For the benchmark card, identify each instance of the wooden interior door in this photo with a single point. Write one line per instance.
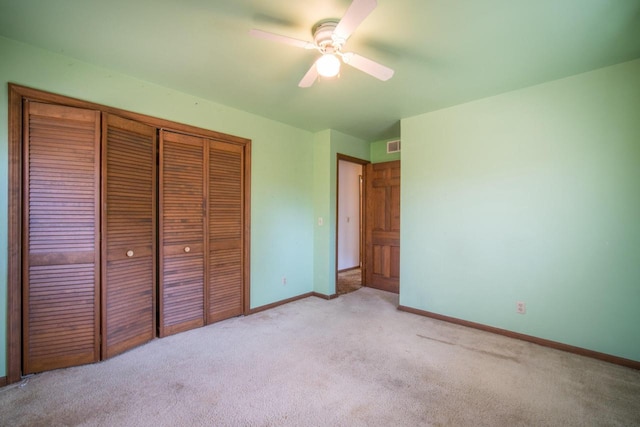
(183, 227)
(61, 249)
(226, 231)
(129, 234)
(382, 229)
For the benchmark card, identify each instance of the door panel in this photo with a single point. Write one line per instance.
(226, 231)
(129, 236)
(382, 229)
(61, 252)
(71, 283)
(182, 232)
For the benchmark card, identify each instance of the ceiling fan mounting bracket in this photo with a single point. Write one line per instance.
(324, 36)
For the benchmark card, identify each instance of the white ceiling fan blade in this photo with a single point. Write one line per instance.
(370, 67)
(282, 39)
(356, 13)
(310, 77)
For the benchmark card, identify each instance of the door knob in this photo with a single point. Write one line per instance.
(129, 253)
(187, 249)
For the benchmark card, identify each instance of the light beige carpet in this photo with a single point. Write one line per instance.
(351, 361)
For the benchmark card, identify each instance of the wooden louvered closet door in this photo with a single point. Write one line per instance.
(226, 222)
(182, 232)
(61, 252)
(129, 234)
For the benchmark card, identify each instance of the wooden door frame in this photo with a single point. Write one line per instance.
(17, 94)
(362, 163)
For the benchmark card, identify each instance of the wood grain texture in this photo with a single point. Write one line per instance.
(53, 98)
(61, 254)
(382, 226)
(183, 229)
(14, 264)
(226, 228)
(246, 234)
(18, 95)
(128, 234)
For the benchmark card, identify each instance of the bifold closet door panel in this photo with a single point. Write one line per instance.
(226, 231)
(129, 234)
(61, 249)
(182, 232)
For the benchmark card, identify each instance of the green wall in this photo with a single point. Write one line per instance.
(533, 196)
(378, 150)
(529, 196)
(282, 203)
(321, 202)
(327, 145)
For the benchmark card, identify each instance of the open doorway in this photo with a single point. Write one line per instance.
(350, 224)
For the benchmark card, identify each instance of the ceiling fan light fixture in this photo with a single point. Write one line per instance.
(329, 38)
(328, 65)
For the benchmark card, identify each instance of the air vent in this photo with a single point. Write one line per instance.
(393, 146)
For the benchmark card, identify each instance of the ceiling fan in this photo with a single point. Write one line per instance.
(329, 37)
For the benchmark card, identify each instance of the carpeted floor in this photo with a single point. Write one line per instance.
(348, 281)
(351, 361)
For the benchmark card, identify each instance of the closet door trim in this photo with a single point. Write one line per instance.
(17, 95)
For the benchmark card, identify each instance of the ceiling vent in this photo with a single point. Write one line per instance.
(393, 146)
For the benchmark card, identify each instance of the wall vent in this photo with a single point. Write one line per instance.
(393, 146)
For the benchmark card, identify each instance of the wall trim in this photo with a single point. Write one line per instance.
(3, 381)
(292, 299)
(279, 303)
(324, 296)
(14, 238)
(529, 338)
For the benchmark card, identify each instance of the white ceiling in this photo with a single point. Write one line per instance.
(444, 52)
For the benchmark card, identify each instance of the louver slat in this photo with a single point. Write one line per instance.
(61, 263)
(182, 232)
(129, 159)
(225, 231)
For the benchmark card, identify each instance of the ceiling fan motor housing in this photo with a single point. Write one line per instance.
(324, 38)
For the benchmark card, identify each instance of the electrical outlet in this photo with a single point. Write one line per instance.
(521, 308)
(320, 221)
(284, 280)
